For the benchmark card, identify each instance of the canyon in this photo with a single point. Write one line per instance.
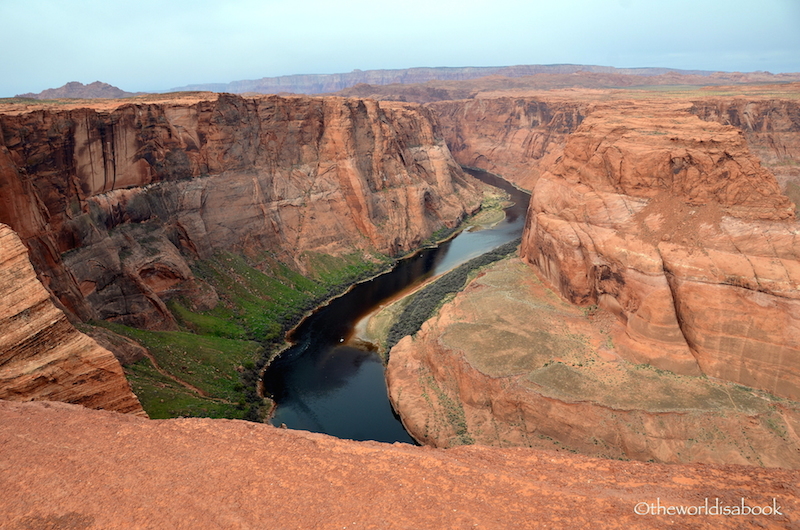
(659, 220)
(119, 205)
(651, 314)
(42, 355)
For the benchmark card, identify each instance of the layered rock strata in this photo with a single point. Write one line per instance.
(115, 204)
(42, 356)
(517, 138)
(771, 128)
(673, 225)
(192, 473)
(509, 363)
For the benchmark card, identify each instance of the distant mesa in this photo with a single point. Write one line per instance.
(76, 90)
(326, 83)
(535, 76)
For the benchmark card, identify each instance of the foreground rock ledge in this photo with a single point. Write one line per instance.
(65, 466)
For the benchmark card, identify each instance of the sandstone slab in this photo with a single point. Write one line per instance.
(69, 467)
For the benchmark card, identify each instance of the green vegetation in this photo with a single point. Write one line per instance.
(162, 397)
(218, 354)
(427, 300)
(208, 366)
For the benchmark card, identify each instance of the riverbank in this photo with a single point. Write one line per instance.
(210, 367)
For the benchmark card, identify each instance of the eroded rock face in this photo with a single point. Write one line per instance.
(672, 224)
(42, 356)
(771, 127)
(112, 204)
(510, 363)
(517, 138)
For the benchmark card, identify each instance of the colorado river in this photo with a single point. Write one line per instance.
(324, 384)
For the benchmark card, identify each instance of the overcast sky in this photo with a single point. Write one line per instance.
(150, 45)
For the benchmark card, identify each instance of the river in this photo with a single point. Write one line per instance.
(325, 384)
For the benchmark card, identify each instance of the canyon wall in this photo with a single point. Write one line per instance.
(517, 138)
(115, 204)
(510, 363)
(42, 356)
(771, 128)
(679, 254)
(672, 224)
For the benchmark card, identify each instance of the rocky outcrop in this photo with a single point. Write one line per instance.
(42, 356)
(771, 128)
(672, 224)
(509, 363)
(113, 204)
(193, 472)
(517, 138)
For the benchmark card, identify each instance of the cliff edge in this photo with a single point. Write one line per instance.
(201, 473)
(42, 356)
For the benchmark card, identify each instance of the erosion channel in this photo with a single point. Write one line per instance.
(327, 382)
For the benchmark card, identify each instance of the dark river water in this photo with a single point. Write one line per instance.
(323, 384)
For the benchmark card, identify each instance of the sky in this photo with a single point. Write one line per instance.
(155, 45)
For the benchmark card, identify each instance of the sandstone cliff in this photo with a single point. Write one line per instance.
(42, 356)
(771, 128)
(672, 224)
(112, 204)
(674, 228)
(510, 363)
(517, 138)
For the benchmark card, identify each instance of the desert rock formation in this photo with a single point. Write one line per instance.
(42, 356)
(112, 204)
(658, 217)
(510, 363)
(671, 223)
(516, 137)
(192, 473)
(77, 90)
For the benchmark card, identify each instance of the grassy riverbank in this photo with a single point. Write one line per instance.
(409, 314)
(210, 366)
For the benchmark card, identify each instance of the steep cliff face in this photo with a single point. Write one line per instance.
(112, 204)
(672, 224)
(517, 138)
(42, 356)
(771, 128)
(509, 363)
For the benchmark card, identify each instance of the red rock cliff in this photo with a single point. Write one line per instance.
(672, 224)
(517, 138)
(42, 356)
(111, 202)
